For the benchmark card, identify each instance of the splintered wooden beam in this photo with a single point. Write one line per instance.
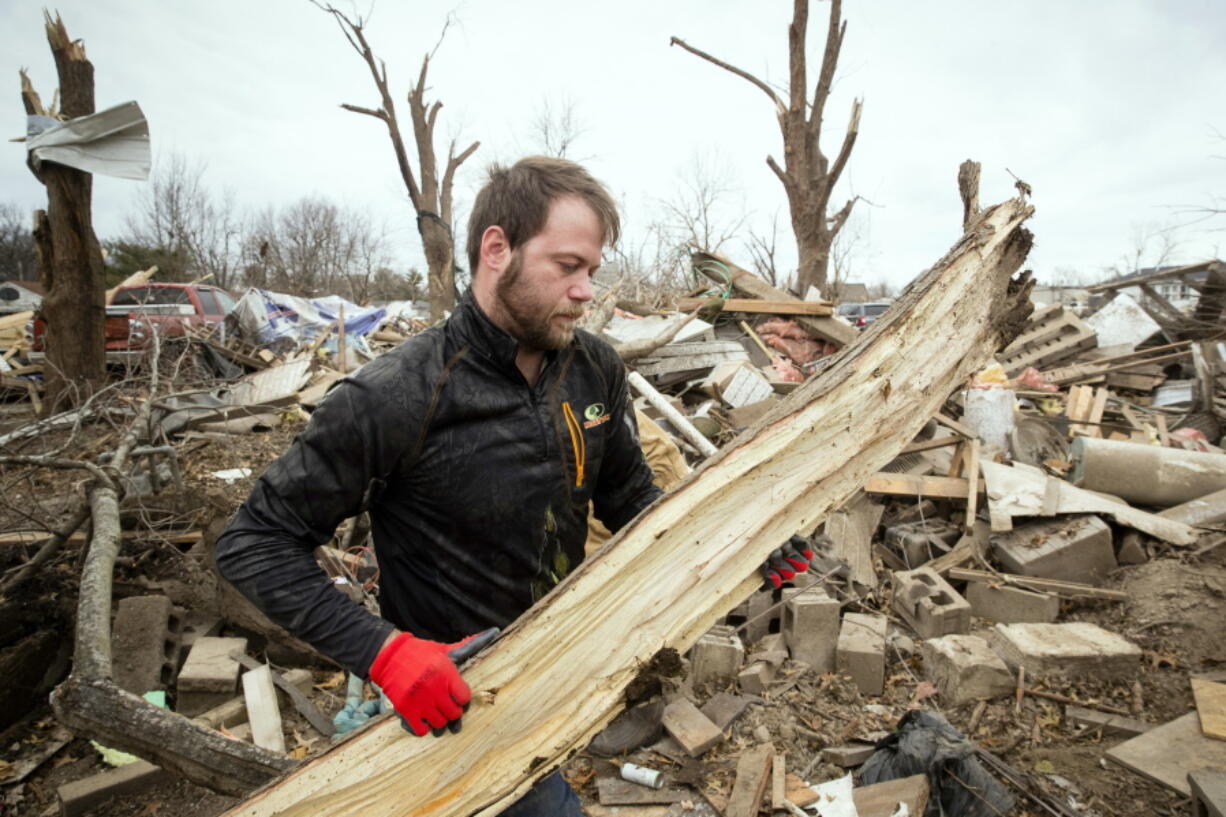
(557, 676)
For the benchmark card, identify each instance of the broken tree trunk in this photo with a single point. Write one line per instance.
(556, 677)
(69, 256)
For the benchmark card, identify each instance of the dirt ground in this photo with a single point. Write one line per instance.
(1174, 612)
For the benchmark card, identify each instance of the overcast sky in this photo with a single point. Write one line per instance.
(1111, 111)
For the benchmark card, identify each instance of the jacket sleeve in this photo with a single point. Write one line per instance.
(351, 444)
(624, 487)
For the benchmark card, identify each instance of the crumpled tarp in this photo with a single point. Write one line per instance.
(113, 142)
(265, 317)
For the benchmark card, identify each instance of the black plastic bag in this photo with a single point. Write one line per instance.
(925, 743)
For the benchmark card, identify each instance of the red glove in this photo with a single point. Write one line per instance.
(784, 563)
(420, 678)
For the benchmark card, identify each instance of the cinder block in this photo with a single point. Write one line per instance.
(1011, 605)
(929, 603)
(1074, 649)
(921, 541)
(145, 644)
(861, 651)
(716, 656)
(811, 628)
(964, 668)
(1074, 549)
(80, 796)
(769, 654)
(209, 676)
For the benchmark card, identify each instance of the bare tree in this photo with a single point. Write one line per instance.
(69, 256)
(763, 248)
(193, 234)
(807, 175)
(315, 247)
(557, 127)
(702, 212)
(431, 198)
(17, 262)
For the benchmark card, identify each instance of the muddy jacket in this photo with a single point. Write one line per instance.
(477, 485)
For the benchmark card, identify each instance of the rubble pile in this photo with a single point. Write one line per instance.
(1032, 589)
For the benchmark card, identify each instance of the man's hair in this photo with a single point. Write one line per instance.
(518, 198)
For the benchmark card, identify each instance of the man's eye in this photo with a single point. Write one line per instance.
(569, 268)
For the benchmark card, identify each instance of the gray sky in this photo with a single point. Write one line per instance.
(1109, 110)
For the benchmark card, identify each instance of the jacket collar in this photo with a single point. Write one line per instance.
(474, 328)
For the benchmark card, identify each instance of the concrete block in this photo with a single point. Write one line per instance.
(1208, 792)
(919, 542)
(769, 654)
(716, 656)
(1074, 549)
(964, 668)
(1205, 510)
(209, 677)
(755, 613)
(1074, 649)
(1011, 605)
(861, 651)
(80, 796)
(811, 628)
(1132, 549)
(929, 603)
(145, 644)
(848, 755)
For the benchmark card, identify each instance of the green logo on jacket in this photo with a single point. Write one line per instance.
(593, 411)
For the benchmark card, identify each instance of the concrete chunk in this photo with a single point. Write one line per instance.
(964, 668)
(209, 677)
(861, 651)
(80, 796)
(145, 648)
(1074, 549)
(1075, 649)
(1011, 605)
(811, 628)
(716, 656)
(929, 603)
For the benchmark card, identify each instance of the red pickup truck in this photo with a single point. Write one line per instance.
(137, 312)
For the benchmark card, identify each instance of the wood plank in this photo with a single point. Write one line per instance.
(630, 599)
(928, 445)
(882, 799)
(689, 727)
(754, 306)
(752, 775)
(851, 528)
(778, 781)
(1166, 753)
(831, 328)
(1211, 706)
(263, 713)
(614, 791)
(972, 486)
(912, 485)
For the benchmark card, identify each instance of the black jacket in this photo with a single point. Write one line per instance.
(477, 485)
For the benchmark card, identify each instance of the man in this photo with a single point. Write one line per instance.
(476, 446)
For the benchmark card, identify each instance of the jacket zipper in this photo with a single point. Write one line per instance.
(576, 441)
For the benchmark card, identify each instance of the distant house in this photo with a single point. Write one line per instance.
(1076, 299)
(20, 296)
(848, 292)
(1179, 291)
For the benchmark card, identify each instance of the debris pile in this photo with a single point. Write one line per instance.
(1030, 587)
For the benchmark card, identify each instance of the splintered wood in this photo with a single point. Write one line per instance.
(557, 676)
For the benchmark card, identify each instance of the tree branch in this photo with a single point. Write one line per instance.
(849, 139)
(766, 89)
(778, 171)
(830, 60)
(379, 114)
(453, 164)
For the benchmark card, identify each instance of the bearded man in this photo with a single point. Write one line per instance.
(477, 447)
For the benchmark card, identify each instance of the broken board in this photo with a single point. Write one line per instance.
(542, 691)
(1166, 753)
(1211, 706)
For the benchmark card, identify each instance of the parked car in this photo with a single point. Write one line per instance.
(137, 312)
(861, 315)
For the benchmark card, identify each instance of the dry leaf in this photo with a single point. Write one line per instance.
(332, 682)
(300, 752)
(152, 807)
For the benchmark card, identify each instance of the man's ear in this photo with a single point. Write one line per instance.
(495, 249)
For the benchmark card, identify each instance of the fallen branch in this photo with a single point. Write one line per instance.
(557, 675)
(635, 349)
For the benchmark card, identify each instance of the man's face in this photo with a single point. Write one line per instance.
(541, 293)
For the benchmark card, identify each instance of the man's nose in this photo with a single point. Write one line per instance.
(581, 290)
